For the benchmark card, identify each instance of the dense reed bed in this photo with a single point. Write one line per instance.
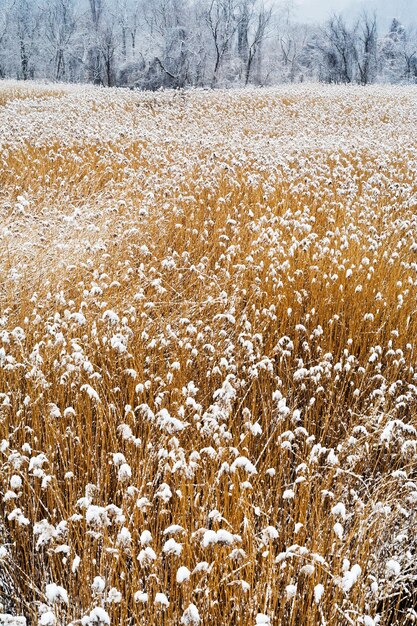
(208, 380)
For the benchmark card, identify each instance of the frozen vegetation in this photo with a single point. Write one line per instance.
(208, 383)
(150, 44)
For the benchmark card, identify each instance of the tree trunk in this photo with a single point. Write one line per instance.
(24, 61)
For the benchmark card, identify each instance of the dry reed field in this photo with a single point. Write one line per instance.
(208, 375)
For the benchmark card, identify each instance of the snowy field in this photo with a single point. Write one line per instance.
(208, 370)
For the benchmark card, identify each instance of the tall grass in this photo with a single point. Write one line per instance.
(212, 332)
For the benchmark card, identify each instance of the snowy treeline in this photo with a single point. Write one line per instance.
(178, 43)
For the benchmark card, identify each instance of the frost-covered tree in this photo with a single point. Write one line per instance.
(252, 30)
(150, 44)
(93, 35)
(292, 44)
(24, 22)
(4, 40)
(60, 29)
(108, 43)
(222, 18)
(365, 49)
(344, 53)
(261, 18)
(398, 54)
(163, 57)
(337, 47)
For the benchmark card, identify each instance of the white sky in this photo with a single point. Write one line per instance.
(318, 10)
